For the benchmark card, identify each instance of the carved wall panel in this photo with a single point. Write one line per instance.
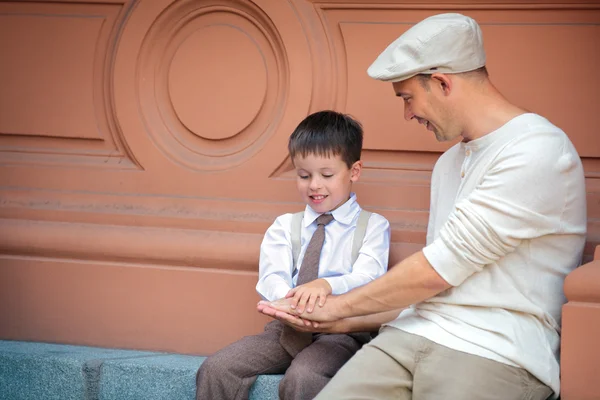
(55, 102)
(143, 147)
(213, 79)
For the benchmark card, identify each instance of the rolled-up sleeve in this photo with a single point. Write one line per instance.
(519, 198)
(275, 265)
(372, 261)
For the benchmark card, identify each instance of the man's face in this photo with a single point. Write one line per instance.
(325, 183)
(428, 104)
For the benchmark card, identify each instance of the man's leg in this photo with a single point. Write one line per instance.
(314, 366)
(229, 373)
(380, 370)
(443, 373)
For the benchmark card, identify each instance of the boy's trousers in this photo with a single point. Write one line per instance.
(229, 373)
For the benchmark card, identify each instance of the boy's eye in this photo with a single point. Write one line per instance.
(327, 176)
(303, 176)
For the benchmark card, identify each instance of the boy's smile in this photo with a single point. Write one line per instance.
(317, 198)
(325, 183)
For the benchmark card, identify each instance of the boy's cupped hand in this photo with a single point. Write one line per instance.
(306, 296)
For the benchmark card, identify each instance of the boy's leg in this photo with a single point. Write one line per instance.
(314, 366)
(229, 373)
(380, 370)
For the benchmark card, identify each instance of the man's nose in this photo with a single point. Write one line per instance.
(408, 114)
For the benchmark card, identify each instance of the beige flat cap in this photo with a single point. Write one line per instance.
(446, 43)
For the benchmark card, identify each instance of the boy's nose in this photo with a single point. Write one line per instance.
(315, 184)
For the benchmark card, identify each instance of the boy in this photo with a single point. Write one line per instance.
(308, 256)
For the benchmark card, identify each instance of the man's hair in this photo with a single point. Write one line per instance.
(328, 134)
(477, 74)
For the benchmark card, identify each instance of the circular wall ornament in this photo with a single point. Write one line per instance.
(210, 95)
(212, 82)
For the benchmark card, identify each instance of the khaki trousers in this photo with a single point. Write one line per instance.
(399, 365)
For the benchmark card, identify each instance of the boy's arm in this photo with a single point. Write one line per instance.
(275, 265)
(372, 261)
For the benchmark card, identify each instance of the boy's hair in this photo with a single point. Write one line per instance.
(328, 133)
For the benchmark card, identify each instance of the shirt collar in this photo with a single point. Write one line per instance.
(491, 137)
(343, 214)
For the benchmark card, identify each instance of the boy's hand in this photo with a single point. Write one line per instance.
(306, 295)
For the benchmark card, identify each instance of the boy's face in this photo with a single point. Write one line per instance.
(325, 183)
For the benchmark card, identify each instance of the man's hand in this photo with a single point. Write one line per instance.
(305, 296)
(328, 313)
(298, 323)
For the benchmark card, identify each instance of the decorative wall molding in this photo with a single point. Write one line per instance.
(382, 167)
(215, 250)
(137, 245)
(55, 106)
(194, 60)
(175, 212)
(105, 227)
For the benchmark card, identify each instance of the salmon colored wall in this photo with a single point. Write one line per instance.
(143, 147)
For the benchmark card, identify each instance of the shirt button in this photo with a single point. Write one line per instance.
(462, 174)
(468, 152)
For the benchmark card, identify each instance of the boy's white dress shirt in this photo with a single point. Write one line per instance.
(335, 265)
(507, 224)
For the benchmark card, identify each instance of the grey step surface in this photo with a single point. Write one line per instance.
(30, 370)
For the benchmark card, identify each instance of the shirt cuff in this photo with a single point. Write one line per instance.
(276, 293)
(279, 292)
(338, 284)
(445, 263)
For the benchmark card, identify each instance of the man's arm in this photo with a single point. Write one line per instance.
(364, 323)
(410, 281)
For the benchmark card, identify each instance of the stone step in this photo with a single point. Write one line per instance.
(31, 370)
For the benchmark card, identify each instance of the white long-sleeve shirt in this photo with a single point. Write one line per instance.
(276, 275)
(507, 224)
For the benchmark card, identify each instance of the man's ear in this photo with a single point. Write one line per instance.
(355, 170)
(442, 81)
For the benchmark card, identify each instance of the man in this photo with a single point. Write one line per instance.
(507, 224)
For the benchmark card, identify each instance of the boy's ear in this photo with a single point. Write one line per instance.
(355, 170)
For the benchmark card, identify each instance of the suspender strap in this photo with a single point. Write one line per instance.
(357, 241)
(359, 233)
